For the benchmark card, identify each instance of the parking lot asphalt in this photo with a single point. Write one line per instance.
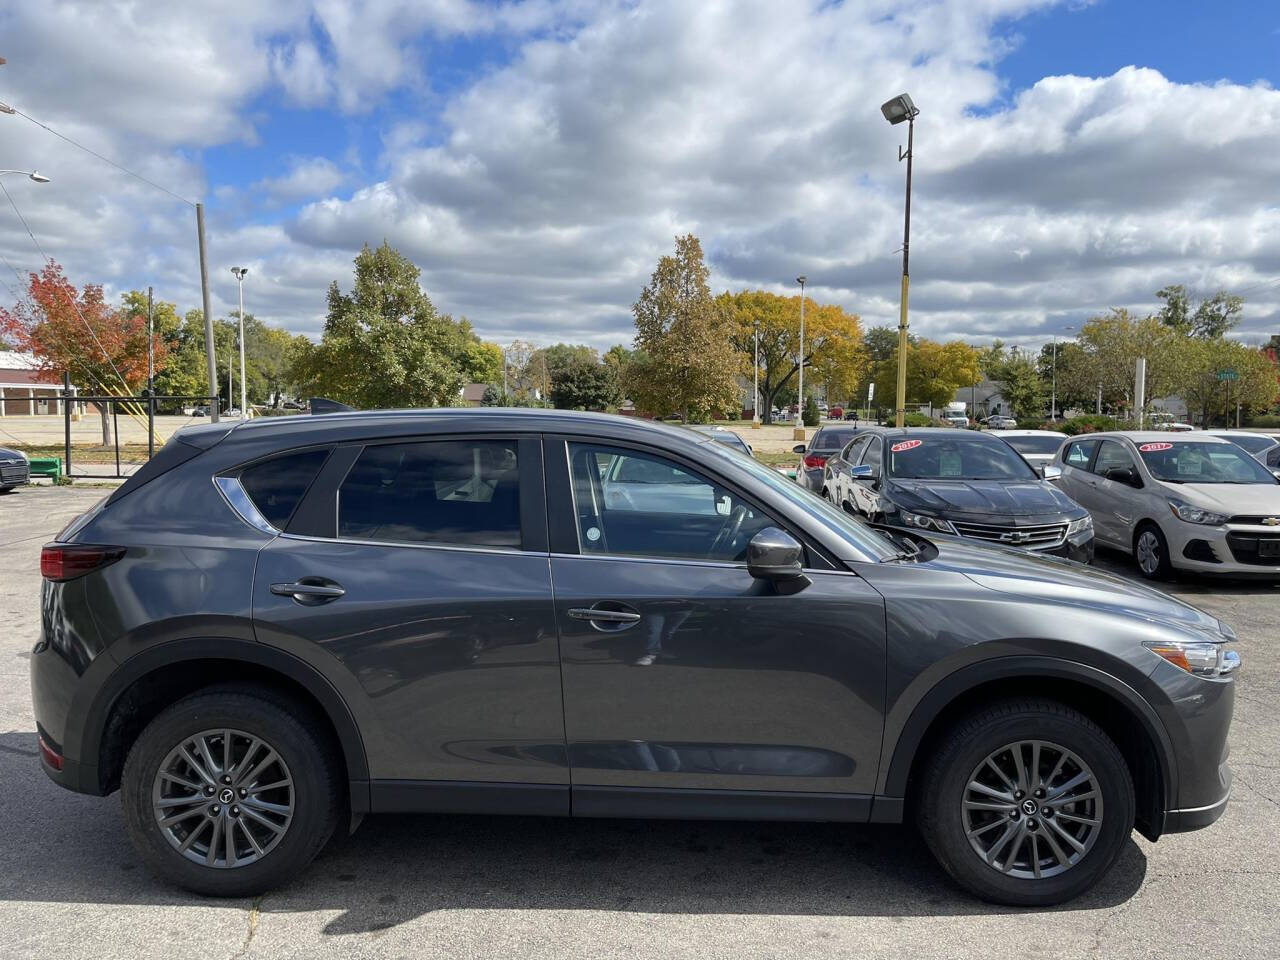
(71, 887)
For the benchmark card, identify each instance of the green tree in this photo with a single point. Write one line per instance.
(935, 371)
(584, 383)
(1214, 317)
(384, 343)
(1111, 345)
(688, 362)
(1021, 386)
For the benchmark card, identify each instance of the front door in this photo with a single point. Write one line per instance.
(681, 671)
(430, 590)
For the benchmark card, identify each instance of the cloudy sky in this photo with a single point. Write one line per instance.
(536, 158)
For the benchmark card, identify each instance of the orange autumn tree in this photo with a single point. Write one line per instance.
(77, 332)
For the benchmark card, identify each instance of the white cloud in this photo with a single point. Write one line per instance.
(538, 200)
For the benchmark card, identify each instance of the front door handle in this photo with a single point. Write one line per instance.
(309, 591)
(603, 616)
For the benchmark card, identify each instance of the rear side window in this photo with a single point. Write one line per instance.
(453, 492)
(1079, 453)
(276, 486)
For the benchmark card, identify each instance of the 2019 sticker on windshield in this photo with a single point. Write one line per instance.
(905, 445)
(1155, 447)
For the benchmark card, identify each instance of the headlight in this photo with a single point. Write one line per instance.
(1193, 514)
(921, 522)
(1201, 658)
(1080, 526)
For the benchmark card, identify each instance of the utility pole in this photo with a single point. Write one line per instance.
(755, 371)
(798, 433)
(208, 318)
(244, 401)
(151, 383)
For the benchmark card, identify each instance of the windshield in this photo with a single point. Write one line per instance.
(1177, 461)
(1036, 443)
(1253, 445)
(955, 458)
(874, 543)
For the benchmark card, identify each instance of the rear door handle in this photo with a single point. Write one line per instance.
(309, 591)
(603, 616)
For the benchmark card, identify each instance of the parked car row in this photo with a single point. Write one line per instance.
(1197, 503)
(15, 469)
(280, 625)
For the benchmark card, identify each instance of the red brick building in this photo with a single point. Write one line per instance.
(24, 390)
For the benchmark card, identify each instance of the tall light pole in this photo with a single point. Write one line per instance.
(244, 403)
(755, 371)
(798, 433)
(1053, 402)
(895, 111)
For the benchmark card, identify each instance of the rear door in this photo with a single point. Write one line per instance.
(418, 568)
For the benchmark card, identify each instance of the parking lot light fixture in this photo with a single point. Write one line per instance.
(33, 175)
(898, 109)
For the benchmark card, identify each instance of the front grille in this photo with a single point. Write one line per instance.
(1041, 536)
(1244, 547)
(14, 473)
(1258, 521)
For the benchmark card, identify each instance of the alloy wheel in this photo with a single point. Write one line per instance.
(1148, 551)
(223, 798)
(1032, 809)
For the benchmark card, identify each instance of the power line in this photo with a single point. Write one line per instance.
(123, 169)
(74, 306)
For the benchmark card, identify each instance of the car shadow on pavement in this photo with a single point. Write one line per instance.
(68, 848)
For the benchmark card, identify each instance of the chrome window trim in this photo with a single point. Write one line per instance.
(686, 562)
(234, 494)
(423, 545)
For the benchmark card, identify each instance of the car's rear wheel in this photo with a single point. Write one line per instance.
(228, 792)
(1026, 803)
(1151, 551)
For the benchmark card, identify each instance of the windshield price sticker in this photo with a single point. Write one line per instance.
(905, 445)
(1154, 447)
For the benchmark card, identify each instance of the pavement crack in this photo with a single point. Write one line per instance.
(255, 913)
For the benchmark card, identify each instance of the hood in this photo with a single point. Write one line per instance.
(7, 453)
(1232, 499)
(1023, 574)
(985, 499)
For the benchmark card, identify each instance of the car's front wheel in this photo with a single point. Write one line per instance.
(1151, 550)
(1026, 802)
(229, 793)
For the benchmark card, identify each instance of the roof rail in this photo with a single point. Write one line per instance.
(325, 405)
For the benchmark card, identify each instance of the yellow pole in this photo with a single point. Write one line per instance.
(902, 355)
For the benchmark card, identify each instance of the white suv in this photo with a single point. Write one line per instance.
(1196, 503)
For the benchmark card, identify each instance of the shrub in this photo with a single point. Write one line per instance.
(811, 416)
(1091, 423)
(1263, 420)
(917, 420)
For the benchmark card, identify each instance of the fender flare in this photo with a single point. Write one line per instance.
(898, 768)
(222, 648)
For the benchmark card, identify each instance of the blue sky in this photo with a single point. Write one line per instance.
(536, 157)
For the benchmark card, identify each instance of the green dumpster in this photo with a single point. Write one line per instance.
(46, 467)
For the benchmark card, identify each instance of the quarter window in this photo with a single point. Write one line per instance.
(276, 486)
(639, 504)
(463, 492)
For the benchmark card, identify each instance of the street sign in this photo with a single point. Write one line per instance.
(1228, 375)
(871, 391)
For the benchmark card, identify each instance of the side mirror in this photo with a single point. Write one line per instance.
(1051, 472)
(777, 556)
(798, 448)
(861, 470)
(1125, 475)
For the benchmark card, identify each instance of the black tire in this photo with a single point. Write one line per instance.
(317, 791)
(943, 786)
(1163, 567)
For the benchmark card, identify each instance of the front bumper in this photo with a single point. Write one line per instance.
(1234, 549)
(1196, 818)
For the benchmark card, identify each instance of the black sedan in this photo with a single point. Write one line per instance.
(956, 482)
(15, 469)
(826, 442)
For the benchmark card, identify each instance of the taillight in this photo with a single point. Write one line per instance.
(813, 463)
(66, 561)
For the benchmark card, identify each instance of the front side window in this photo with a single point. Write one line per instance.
(1113, 456)
(451, 492)
(276, 486)
(1180, 461)
(640, 504)
(872, 457)
(854, 450)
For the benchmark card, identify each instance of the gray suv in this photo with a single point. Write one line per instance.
(278, 626)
